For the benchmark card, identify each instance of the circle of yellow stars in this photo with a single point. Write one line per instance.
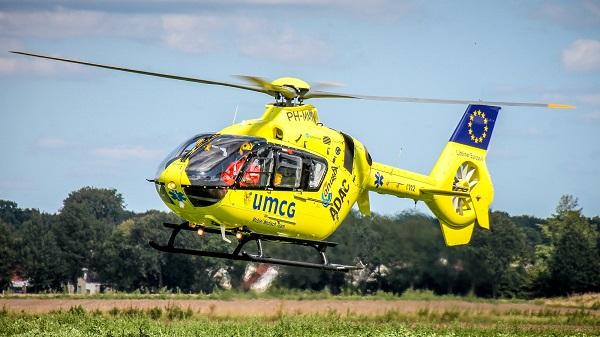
(474, 138)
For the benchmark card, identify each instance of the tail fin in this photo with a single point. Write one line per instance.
(462, 173)
(459, 189)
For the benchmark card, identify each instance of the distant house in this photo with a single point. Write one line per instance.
(18, 284)
(222, 278)
(89, 283)
(259, 278)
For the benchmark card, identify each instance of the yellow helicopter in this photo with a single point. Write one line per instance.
(285, 177)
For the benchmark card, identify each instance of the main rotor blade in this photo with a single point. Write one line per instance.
(274, 90)
(325, 94)
(149, 73)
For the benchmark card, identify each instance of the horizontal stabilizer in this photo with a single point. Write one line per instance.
(445, 192)
(455, 236)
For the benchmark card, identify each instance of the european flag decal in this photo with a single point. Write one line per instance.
(476, 126)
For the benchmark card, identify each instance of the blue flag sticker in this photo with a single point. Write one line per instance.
(476, 126)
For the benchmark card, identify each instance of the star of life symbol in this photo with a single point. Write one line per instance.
(478, 138)
(378, 180)
(178, 196)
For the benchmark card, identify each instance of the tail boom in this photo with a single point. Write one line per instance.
(398, 182)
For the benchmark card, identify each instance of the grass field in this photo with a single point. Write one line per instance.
(284, 294)
(89, 316)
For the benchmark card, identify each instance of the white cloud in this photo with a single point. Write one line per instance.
(63, 23)
(529, 132)
(259, 39)
(50, 143)
(190, 33)
(582, 55)
(574, 13)
(8, 66)
(18, 64)
(193, 34)
(16, 26)
(533, 132)
(592, 7)
(592, 117)
(127, 152)
(505, 154)
(592, 99)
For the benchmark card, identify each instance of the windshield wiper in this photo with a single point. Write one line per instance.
(198, 146)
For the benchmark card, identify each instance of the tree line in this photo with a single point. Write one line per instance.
(521, 256)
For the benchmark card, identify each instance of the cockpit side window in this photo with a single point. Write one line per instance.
(217, 162)
(258, 170)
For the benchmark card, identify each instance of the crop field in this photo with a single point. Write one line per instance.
(44, 316)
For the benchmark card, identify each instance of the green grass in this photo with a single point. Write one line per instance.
(178, 321)
(273, 293)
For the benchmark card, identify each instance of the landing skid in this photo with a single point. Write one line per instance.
(247, 236)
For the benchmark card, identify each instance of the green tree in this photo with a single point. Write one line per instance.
(595, 223)
(532, 227)
(12, 215)
(568, 258)
(497, 258)
(7, 255)
(575, 264)
(84, 223)
(567, 203)
(350, 236)
(41, 258)
(127, 262)
(413, 250)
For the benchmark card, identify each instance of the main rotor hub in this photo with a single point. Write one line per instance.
(300, 86)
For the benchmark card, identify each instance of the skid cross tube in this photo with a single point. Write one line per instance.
(247, 236)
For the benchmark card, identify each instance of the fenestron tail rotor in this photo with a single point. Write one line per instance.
(292, 91)
(465, 179)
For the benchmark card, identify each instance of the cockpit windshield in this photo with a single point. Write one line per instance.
(180, 151)
(217, 163)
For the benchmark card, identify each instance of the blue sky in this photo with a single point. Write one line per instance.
(64, 127)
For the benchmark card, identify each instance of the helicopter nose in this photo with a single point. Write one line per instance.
(168, 186)
(166, 178)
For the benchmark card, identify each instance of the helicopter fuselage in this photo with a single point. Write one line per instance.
(284, 174)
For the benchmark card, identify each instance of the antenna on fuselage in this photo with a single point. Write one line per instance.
(235, 114)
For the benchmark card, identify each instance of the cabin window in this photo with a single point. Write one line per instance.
(288, 171)
(285, 169)
(316, 173)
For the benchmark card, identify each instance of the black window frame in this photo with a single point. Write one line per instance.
(348, 152)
